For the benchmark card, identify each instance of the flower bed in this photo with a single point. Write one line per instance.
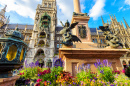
(105, 76)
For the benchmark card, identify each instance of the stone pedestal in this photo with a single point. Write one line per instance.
(73, 57)
(8, 81)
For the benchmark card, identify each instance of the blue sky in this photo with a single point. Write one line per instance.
(23, 11)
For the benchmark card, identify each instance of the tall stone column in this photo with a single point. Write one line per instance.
(77, 6)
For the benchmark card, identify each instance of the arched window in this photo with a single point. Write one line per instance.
(95, 40)
(40, 52)
(41, 43)
(42, 35)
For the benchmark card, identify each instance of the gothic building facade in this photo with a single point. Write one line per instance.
(44, 42)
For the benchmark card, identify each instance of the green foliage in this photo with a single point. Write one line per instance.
(84, 75)
(127, 72)
(106, 74)
(52, 77)
(120, 78)
(31, 72)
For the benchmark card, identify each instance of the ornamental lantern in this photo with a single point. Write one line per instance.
(12, 52)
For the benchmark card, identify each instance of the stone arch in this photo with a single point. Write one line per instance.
(39, 56)
(42, 35)
(41, 43)
(39, 52)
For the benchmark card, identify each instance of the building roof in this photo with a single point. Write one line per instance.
(92, 30)
(58, 28)
(20, 26)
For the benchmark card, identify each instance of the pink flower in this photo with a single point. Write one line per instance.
(20, 73)
(123, 71)
(38, 80)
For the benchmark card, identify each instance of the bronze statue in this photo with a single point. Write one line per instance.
(68, 38)
(111, 39)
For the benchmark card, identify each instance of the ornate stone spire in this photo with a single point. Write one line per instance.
(102, 21)
(127, 26)
(2, 12)
(77, 6)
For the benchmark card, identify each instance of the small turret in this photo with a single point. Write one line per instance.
(2, 12)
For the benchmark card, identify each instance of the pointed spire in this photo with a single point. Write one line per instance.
(110, 17)
(122, 25)
(2, 12)
(5, 8)
(102, 21)
(115, 18)
(7, 21)
(25, 27)
(127, 26)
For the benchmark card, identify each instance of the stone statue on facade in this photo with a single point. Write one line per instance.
(68, 38)
(111, 39)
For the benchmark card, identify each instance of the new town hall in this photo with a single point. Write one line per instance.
(44, 44)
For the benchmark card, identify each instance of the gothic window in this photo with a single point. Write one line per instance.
(45, 5)
(101, 41)
(41, 43)
(42, 35)
(57, 38)
(60, 38)
(30, 38)
(60, 45)
(27, 37)
(49, 5)
(40, 52)
(57, 45)
(95, 40)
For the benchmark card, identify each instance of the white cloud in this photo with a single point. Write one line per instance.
(120, 8)
(25, 8)
(127, 2)
(97, 10)
(65, 10)
(114, 2)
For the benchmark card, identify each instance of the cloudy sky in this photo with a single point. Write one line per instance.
(23, 11)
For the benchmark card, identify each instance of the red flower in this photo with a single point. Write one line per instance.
(38, 84)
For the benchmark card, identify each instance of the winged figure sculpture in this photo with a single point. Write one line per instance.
(67, 37)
